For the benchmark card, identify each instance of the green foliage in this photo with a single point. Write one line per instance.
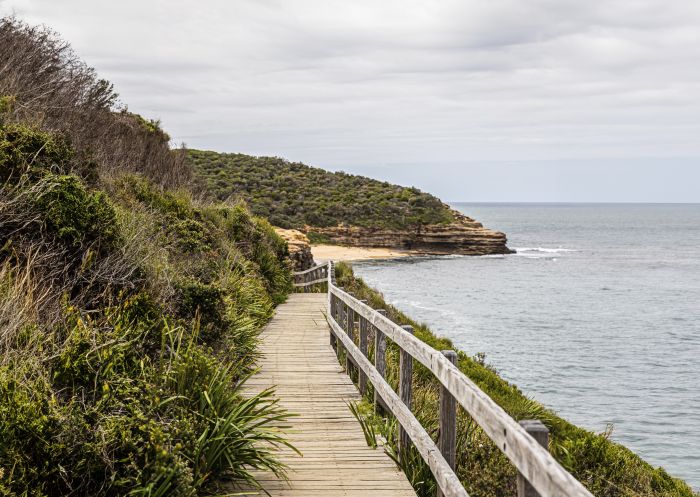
(26, 150)
(76, 216)
(6, 104)
(150, 125)
(292, 194)
(606, 468)
(319, 238)
(44, 82)
(129, 318)
(205, 302)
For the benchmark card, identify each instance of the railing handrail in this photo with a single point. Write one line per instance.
(313, 268)
(533, 461)
(301, 278)
(444, 475)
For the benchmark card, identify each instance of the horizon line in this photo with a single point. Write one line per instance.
(567, 202)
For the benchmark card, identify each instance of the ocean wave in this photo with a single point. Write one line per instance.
(542, 250)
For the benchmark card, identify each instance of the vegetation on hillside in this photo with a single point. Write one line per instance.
(291, 194)
(129, 311)
(606, 468)
(44, 83)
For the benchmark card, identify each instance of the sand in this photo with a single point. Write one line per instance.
(323, 253)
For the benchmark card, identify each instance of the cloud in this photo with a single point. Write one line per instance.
(397, 84)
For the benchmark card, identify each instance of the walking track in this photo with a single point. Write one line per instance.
(336, 460)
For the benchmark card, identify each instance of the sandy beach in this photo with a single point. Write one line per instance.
(323, 253)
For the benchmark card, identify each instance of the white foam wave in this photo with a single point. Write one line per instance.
(542, 250)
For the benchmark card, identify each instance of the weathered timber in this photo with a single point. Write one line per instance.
(406, 394)
(350, 329)
(444, 475)
(379, 360)
(296, 358)
(363, 330)
(447, 440)
(540, 433)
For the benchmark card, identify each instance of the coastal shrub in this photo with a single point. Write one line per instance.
(605, 467)
(44, 82)
(76, 216)
(220, 234)
(206, 304)
(123, 346)
(25, 149)
(292, 195)
(128, 404)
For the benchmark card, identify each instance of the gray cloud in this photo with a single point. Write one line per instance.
(405, 89)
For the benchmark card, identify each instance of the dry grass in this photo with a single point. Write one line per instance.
(44, 82)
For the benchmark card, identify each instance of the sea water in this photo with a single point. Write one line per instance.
(597, 315)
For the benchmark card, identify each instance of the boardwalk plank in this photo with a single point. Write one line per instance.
(297, 358)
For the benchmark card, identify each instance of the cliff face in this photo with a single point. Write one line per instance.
(299, 248)
(463, 236)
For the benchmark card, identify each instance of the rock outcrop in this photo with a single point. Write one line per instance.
(463, 236)
(299, 248)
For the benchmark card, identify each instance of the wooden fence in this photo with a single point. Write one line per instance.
(525, 444)
(312, 276)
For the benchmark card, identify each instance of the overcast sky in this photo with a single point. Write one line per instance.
(488, 100)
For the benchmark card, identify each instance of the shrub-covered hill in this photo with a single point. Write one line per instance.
(129, 310)
(291, 194)
(128, 317)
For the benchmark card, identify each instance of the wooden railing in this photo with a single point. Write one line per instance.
(525, 443)
(312, 276)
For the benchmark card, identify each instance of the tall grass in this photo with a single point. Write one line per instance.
(129, 317)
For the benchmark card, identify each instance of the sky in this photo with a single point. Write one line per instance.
(472, 100)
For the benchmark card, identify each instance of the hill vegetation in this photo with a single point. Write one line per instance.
(129, 310)
(291, 194)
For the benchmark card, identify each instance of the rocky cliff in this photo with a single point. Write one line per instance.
(463, 236)
(299, 248)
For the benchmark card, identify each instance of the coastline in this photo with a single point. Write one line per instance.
(324, 253)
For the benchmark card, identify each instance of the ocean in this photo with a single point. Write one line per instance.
(597, 315)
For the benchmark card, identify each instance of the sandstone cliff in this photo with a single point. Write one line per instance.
(463, 236)
(299, 248)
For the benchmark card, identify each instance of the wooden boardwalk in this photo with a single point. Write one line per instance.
(336, 461)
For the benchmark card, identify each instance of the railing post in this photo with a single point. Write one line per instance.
(332, 301)
(447, 441)
(334, 315)
(379, 360)
(540, 433)
(350, 325)
(405, 380)
(363, 329)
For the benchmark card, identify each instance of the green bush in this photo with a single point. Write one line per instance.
(292, 195)
(76, 216)
(27, 150)
(139, 311)
(205, 303)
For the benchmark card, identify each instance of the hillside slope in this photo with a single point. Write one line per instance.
(129, 311)
(342, 208)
